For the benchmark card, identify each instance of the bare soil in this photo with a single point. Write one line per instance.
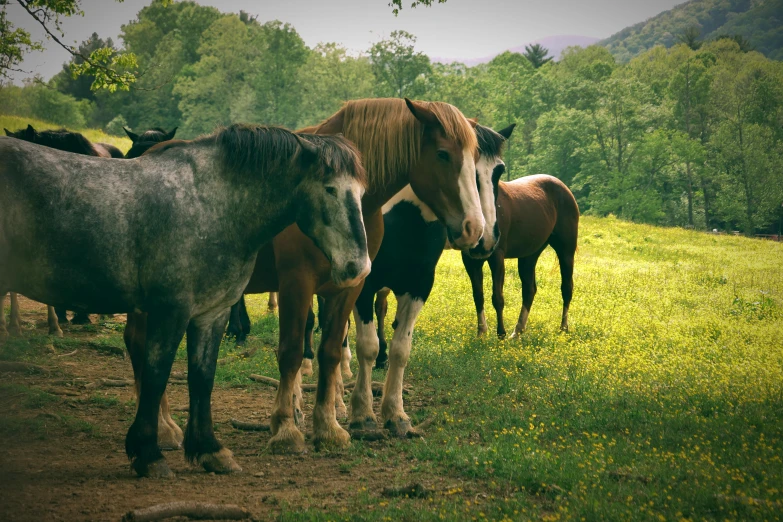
(65, 459)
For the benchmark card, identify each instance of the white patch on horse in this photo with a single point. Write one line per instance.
(407, 194)
(367, 348)
(469, 196)
(408, 309)
(485, 167)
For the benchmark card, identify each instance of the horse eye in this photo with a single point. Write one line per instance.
(444, 155)
(331, 191)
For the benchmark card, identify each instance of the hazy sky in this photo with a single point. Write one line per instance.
(460, 29)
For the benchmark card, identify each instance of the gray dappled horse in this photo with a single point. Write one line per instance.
(174, 234)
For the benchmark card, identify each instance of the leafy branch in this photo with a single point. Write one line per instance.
(396, 5)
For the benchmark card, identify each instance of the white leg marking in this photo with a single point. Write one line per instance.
(392, 410)
(345, 361)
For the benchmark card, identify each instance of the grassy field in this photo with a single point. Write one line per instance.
(663, 402)
(15, 123)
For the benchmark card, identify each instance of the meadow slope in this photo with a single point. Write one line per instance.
(663, 402)
(15, 123)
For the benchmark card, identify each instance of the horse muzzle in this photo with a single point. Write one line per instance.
(469, 234)
(352, 273)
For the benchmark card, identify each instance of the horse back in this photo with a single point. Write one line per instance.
(530, 210)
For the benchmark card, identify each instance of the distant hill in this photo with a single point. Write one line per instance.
(759, 21)
(555, 44)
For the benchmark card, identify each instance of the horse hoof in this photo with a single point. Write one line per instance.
(56, 333)
(482, 332)
(220, 462)
(307, 366)
(502, 336)
(366, 424)
(336, 439)
(155, 469)
(341, 412)
(169, 442)
(290, 442)
(399, 428)
(347, 373)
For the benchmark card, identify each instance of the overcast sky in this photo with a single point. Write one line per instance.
(460, 29)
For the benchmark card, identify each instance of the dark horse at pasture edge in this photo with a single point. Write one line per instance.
(68, 141)
(175, 235)
(533, 212)
(142, 142)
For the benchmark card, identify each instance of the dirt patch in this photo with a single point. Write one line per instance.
(63, 453)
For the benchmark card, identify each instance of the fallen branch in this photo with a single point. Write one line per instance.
(413, 491)
(195, 510)
(249, 426)
(418, 430)
(107, 348)
(369, 435)
(109, 383)
(68, 354)
(63, 391)
(14, 366)
(263, 379)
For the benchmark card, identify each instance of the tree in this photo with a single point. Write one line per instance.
(537, 55)
(111, 70)
(80, 87)
(690, 37)
(396, 5)
(399, 70)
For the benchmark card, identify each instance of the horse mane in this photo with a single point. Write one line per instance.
(61, 139)
(256, 150)
(389, 136)
(155, 134)
(490, 143)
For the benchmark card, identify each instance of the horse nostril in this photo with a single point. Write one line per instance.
(469, 228)
(351, 270)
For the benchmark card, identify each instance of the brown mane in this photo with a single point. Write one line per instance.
(389, 136)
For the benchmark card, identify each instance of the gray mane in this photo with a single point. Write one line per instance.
(256, 150)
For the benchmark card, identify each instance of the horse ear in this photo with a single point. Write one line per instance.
(473, 122)
(422, 113)
(309, 151)
(132, 135)
(8, 132)
(170, 135)
(30, 131)
(506, 133)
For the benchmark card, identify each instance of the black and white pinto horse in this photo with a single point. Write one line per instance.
(175, 234)
(412, 244)
(142, 142)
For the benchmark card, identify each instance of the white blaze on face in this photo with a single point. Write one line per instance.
(344, 248)
(469, 196)
(485, 167)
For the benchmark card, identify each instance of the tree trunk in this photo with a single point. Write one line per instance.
(690, 193)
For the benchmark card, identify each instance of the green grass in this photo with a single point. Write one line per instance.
(15, 123)
(665, 401)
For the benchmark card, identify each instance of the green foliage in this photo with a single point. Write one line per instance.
(758, 24)
(116, 126)
(14, 43)
(44, 103)
(398, 68)
(396, 5)
(536, 54)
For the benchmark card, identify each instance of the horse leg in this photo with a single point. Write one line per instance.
(475, 270)
(307, 361)
(326, 431)
(566, 258)
(392, 412)
(81, 318)
(15, 323)
(204, 336)
(381, 309)
(170, 435)
(345, 361)
(62, 315)
(367, 349)
(164, 332)
(272, 303)
(3, 327)
(54, 324)
(294, 304)
(527, 273)
(234, 327)
(497, 265)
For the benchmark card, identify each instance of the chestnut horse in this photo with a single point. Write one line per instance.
(533, 212)
(174, 236)
(430, 145)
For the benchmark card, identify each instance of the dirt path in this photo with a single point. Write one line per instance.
(63, 455)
